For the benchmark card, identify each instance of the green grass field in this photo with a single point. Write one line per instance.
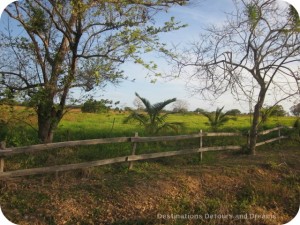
(90, 125)
(77, 126)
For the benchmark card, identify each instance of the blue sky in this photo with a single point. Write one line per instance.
(197, 15)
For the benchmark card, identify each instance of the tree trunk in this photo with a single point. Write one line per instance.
(254, 130)
(45, 131)
(48, 118)
(255, 122)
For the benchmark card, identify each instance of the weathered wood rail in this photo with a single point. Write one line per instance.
(130, 158)
(273, 139)
(43, 147)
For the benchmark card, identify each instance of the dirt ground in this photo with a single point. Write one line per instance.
(226, 188)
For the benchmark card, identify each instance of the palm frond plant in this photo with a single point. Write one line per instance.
(218, 118)
(152, 118)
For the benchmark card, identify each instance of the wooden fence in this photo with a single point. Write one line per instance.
(130, 158)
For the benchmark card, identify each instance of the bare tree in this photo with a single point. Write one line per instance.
(295, 109)
(180, 106)
(255, 51)
(137, 102)
(62, 45)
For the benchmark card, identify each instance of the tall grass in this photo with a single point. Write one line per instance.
(89, 125)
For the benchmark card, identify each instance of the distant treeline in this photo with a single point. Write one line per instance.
(105, 105)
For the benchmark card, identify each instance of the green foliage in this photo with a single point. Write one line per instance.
(233, 112)
(199, 110)
(7, 114)
(94, 106)
(13, 126)
(37, 19)
(218, 118)
(270, 111)
(152, 120)
(297, 124)
(295, 109)
(5, 96)
(294, 17)
(278, 110)
(253, 14)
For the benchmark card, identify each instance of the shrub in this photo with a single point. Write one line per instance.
(94, 106)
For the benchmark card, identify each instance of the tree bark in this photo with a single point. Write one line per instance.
(45, 132)
(48, 116)
(255, 121)
(47, 123)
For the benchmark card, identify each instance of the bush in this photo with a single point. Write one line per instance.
(233, 112)
(94, 106)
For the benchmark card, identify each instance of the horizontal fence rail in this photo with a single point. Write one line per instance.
(181, 137)
(60, 168)
(130, 158)
(42, 147)
(180, 152)
(271, 140)
(269, 131)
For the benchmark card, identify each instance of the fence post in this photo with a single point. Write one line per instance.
(2, 147)
(133, 151)
(279, 135)
(200, 145)
(68, 135)
(248, 140)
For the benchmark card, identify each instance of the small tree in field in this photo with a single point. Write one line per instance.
(295, 109)
(217, 119)
(200, 111)
(234, 112)
(138, 104)
(180, 106)
(94, 106)
(271, 111)
(152, 118)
